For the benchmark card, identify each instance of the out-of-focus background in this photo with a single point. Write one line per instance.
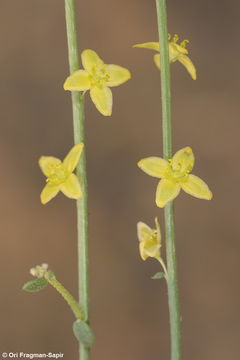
(129, 311)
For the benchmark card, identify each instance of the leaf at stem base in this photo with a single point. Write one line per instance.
(83, 333)
(158, 275)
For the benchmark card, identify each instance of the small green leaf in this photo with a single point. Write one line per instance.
(83, 333)
(158, 275)
(35, 285)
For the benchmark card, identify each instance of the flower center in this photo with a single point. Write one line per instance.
(179, 176)
(98, 75)
(58, 174)
(153, 237)
(176, 49)
(179, 173)
(152, 245)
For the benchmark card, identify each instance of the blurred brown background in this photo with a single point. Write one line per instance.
(128, 310)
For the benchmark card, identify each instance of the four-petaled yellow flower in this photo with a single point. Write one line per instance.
(60, 175)
(175, 176)
(97, 77)
(149, 240)
(177, 52)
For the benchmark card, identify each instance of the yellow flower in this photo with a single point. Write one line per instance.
(97, 77)
(177, 52)
(149, 240)
(60, 175)
(175, 176)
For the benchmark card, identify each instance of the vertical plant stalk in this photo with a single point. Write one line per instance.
(82, 204)
(172, 283)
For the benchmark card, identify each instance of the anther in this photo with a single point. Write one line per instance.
(184, 43)
(175, 38)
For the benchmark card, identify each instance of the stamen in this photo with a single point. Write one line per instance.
(175, 38)
(58, 175)
(184, 43)
(99, 76)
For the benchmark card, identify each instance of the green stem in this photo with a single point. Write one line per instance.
(172, 283)
(66, 295)
(82, 204)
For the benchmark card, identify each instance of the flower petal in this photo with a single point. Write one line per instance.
(176, 50)
(144, 232)
(71, 187)
(156, 59)
(90, 58)
(159, 235)
(47, 163)
(77, 81)
(49, 191)
(187, 63)
(166, 191)
(149, 249)
(149, 45)
(118, 75)
(142, 251)
(197, 187)
(72, 158)
(152, 249)
(102, 98)
(154, 166)
(183, 160)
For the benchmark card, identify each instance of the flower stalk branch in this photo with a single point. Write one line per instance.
(160, 260)
(172, 283)
(82, 203)
(51, 279)
(45, 276)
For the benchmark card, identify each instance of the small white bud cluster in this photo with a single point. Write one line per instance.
(39, 270)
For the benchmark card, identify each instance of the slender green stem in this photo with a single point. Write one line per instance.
(66, 295)
(82, 204)
(172, 283)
